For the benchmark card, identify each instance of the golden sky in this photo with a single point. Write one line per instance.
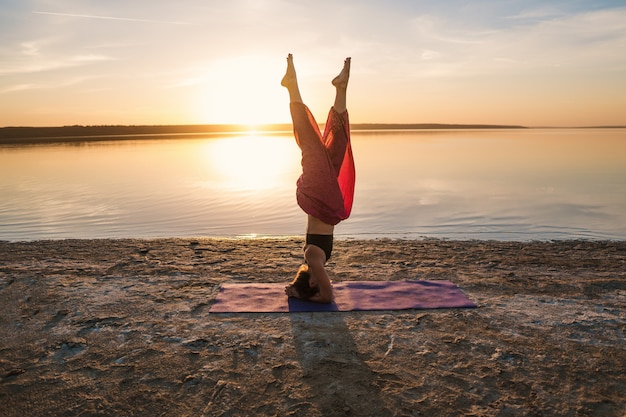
(526, 62)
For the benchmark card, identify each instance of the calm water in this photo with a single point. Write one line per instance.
(503, 184)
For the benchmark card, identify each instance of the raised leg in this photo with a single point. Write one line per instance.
(290, 81)
(341, 84)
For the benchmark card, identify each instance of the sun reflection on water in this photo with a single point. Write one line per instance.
(252, 163)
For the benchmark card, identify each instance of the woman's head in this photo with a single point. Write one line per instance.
(302, 283)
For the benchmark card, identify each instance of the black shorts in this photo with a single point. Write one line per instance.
(324, 242)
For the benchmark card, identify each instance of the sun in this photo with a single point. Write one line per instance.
(242, 90)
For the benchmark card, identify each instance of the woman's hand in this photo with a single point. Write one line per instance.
(291, 291)
(316, 257)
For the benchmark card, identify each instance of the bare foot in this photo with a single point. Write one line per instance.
(341, 81)
(290, 80)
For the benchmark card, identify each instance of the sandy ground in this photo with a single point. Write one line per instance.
(122, 328)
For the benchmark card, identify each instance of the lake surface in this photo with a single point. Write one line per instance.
(470, 184)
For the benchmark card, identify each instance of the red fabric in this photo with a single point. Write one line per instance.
(326, 187)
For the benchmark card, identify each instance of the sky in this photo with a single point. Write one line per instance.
(117, 62)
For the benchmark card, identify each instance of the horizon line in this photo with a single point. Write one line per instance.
(365, 125)
(11, 135)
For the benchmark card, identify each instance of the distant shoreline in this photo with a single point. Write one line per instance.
(79, 133)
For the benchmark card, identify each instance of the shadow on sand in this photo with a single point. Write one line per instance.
(340, 381)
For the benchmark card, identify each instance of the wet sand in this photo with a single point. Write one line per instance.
(122, 328)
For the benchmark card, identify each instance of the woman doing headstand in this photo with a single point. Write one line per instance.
(325, 190)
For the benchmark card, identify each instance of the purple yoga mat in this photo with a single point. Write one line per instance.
(349, 296)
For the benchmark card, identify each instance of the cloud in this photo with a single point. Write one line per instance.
(37, 56)
(16, 87)
(539, 13)
(584, 41)
(428, 55)
(89, 58)
(51, 64)
(29, 48)
(46, 84)
(123, 19)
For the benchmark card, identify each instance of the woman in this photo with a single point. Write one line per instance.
(325, 190)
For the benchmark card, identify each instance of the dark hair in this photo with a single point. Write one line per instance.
(301, 283)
